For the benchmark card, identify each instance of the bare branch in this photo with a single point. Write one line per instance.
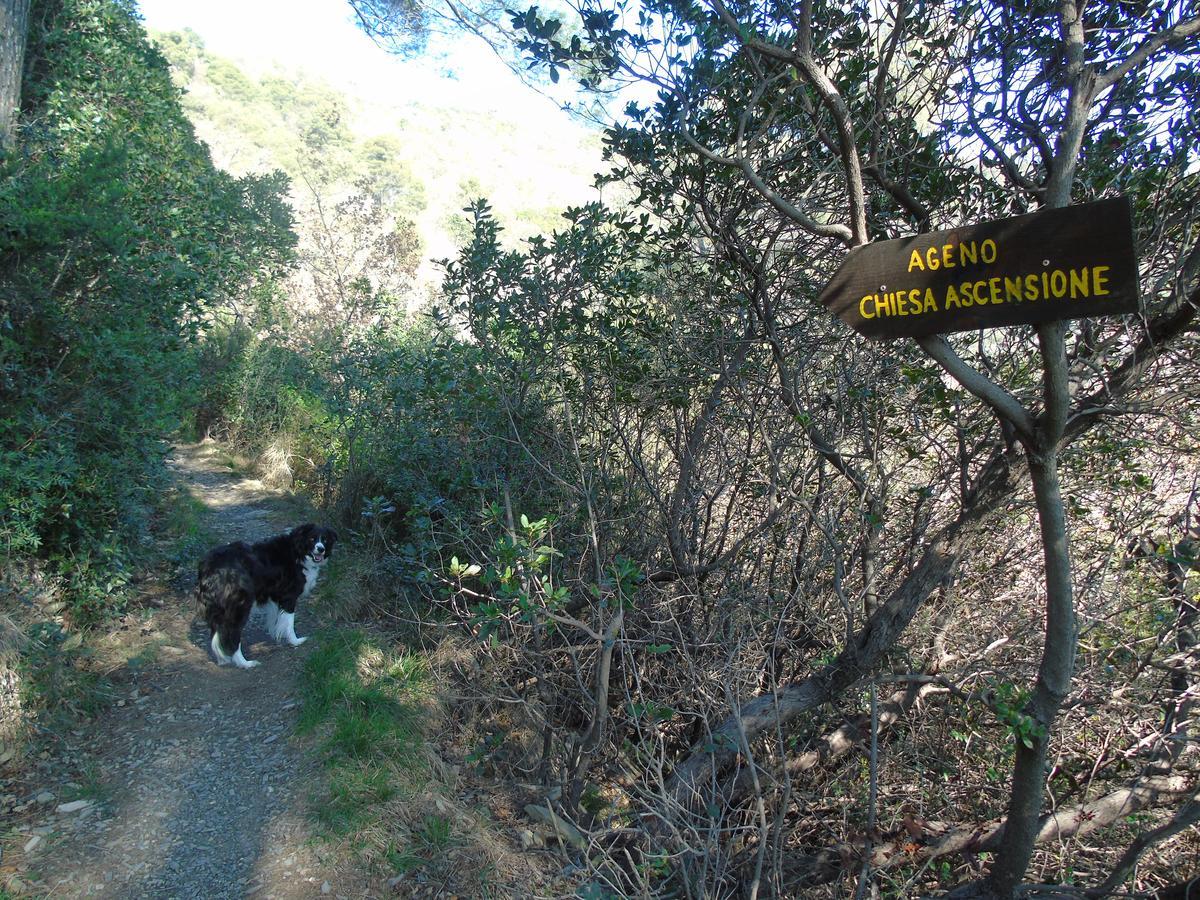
(831, 98)
(841, 232)
(934, 840)
(1187, 816)
(1005, 404)
(1176, 32)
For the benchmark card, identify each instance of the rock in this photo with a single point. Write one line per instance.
(45, 797)
(31, 844)
(74, 806)
(529, 840)
(326, 887)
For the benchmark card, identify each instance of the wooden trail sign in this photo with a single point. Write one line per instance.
(1068, 263)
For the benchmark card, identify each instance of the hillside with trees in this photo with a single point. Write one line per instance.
(745, 604)
(429, 159)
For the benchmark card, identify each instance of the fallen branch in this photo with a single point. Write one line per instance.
(564, 830)
(913, 845)
(696, 776)
(1187, 816)
(841, 741)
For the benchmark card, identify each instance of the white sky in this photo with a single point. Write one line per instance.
(319, 37)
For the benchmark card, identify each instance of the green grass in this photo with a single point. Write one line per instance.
(350, 796)
(184, 524)
(56, 681)
(184, 513)
(92, 786)
(235, 464)
(146, 656)
(362, 699)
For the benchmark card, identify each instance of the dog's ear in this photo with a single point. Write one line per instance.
(302, 536)
(331, 537)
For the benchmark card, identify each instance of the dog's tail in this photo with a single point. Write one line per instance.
(222, 588)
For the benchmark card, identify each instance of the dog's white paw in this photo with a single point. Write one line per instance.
(242, 663)
(285, 633)
(222, 659)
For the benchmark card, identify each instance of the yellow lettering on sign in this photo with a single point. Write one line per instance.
(1084, 282)
(1080, 285)
(951, 256)
(1058, 284)
(994, 290)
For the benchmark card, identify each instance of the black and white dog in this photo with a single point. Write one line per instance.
(276, 573)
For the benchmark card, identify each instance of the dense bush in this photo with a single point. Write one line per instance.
(118, 238)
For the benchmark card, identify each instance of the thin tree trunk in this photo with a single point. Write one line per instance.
(14, 23)
(1058, 653)
(1053, 683)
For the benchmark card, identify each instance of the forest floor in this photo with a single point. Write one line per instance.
(194, 783)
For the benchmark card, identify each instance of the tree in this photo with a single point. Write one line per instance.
(14, 23)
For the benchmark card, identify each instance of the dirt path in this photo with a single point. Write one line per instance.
(192, 783)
